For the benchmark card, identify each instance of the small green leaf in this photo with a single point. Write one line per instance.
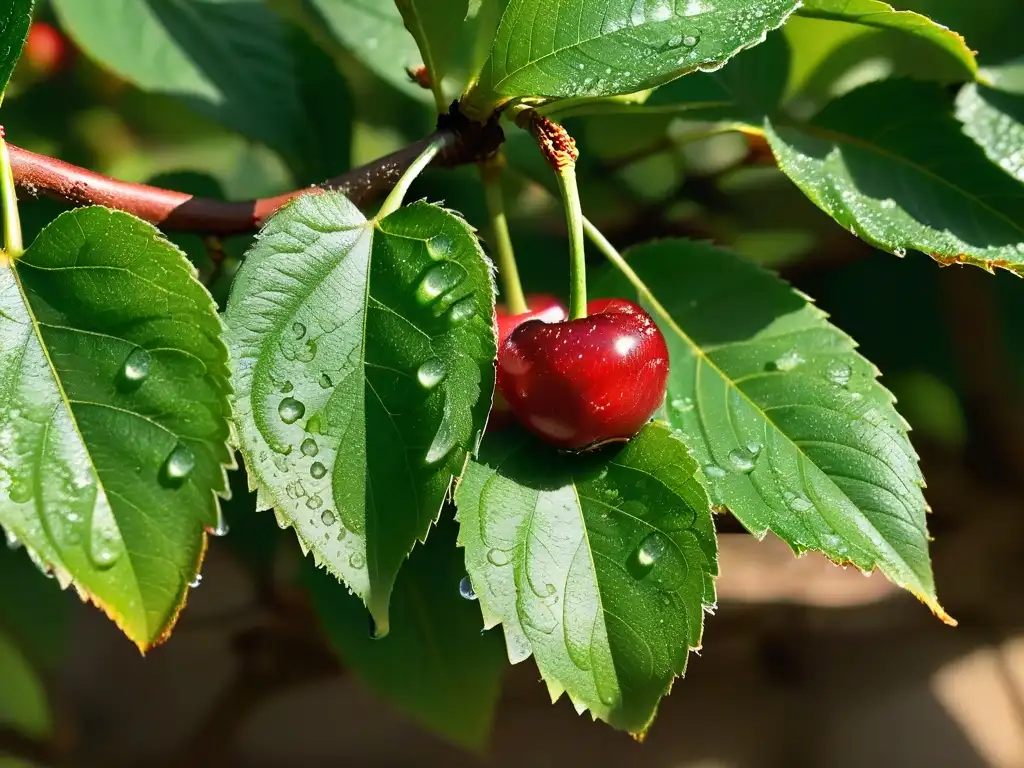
(113, 414)
(363, 356)
(436, 26)
(891, 163)
(229, 60)
(793, 432)
(14, 24)
(374, 32)
(994, 116)
(560, 49)
(874, 14)
(601, 566)
(436, 664)
(23, 702)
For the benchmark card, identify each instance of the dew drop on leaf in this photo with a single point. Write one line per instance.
(498, 557)
(19, 492)
(196, 581)
(135, 369)
(357, 560)
(442, 444)
(287, 387)
(290, 410)
(682, 405)
(647, 554)
(317, 470)
(315, 424)
(462, 310)
(742, 460)
(12, 540)
(309, 447)
(103, 550)
(438, 281)
(431, 373)
(466, 589)
(789, 361)
(327, 518)
(222, 528)
(325, 381)
(314, 502)
(439, 246)
(299, 330)
(839, 373)
(689, 41)
(713, 470)
(177, 466)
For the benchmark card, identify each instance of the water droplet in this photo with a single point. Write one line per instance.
(691, 40)
(290, 410)
(177, 466)
(299, 330)
(462, 310)
(287, 387)
(327, 518)
(798, 502)
(899, 251)
(314, 502)
(103, 550)
(315, 425)
(442, 444)
(196, 581)
(713, 470)
(647, 554)
(357, 560)
(439, 246)
(742, 460)
(12, 540)
(19, 492)
(374, 632)
(342, 533)
(466, 589)
(438, 281)
(325, 381)
(222, 528)
(135, 369)
(499, 557)
(317, 470)
(682, 404)
(839, 373)
(309, 447)
(789, 361)
(431, 373)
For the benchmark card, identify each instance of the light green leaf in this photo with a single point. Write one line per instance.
(374, 32)
(873, 14)
(227, 59)
(14, 23)
(363, 354)
(113, 414)
(436, 664)
(793, 432)
(436, 26)
(890, 163)
(994, 116)
(23, 702)
(599, 565)
(558, 49)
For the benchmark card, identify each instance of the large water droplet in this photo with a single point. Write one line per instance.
(299, 330)
(466, 589)
(798, 502)
(839, 373)
(647, 554)
(462, 310)
(315, 425)
(177, 466)
(314, 502)
(742, 460)
(789, 360)
(19, 492)
(713, 470)
(317, 470)
(431, 373)
(222, 528)
(103, 549)
(499, 557)
(135, 369)
(443, 443)
(196, 581)
(290, 410)
(357, 560)
(439, 246)
(438, 281)
(325, 381)
(309, 447)
(12, 540)
(689, 41)
(327, 517)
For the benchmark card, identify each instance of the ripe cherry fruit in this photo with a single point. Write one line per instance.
(543, 307)
(46, 50)
(580, 383)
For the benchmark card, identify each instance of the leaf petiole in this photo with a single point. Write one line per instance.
(508, 272)
(13, 245)
(394, 200)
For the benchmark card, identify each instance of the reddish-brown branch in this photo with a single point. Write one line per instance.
(170, 210)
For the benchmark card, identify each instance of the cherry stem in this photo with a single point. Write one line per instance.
(508, 271)
(577, 255)
(620, 263)
(9, 200)
(394, 200)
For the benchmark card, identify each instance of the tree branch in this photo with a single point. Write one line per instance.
(41, 175)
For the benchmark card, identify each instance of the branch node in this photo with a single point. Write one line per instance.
(556, 145)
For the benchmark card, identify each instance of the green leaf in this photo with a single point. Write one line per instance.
(23, 702)
(32, 613)
(230, 60)
(14, 24)
(374, 32)
(571, 48)
(994, 116)
(113, 414)
(436, 664)
(436, 26)
(600, 565)
(793, 432)
(873, 14)
(363, 354)
(890, 163)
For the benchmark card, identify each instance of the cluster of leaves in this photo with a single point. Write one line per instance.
(355, 358)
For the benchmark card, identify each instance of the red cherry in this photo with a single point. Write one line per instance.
(46, 50)
(580, 383)
(543, 307)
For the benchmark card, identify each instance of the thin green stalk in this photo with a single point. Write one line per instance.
(9, 200)
(508, 272)
(577, 257)
(610, 252)
(394, 200)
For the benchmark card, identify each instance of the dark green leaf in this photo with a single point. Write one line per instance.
(994, 116)
(990, 27)
(792, 430)
(436, 26)
(32, 612)
(14, 23)
(373, 31)
(113, 414)
(890, 163)
(874, 14)
(23, 703)
(228, 59)
(363, 355)
(601, 566)
(571, 48)
(436, 664)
